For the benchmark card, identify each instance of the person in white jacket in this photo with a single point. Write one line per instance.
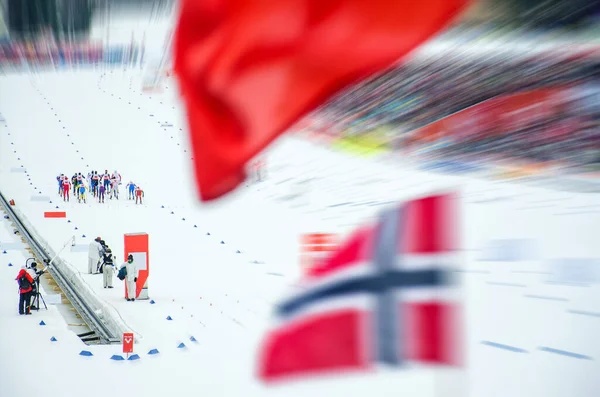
(131, 278)
(94, 255)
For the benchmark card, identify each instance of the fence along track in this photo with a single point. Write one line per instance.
(101, 330)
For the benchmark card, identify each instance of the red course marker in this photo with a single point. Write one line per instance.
(55, 214)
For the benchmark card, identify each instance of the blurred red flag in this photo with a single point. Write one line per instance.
(248, 69)
(387, 296)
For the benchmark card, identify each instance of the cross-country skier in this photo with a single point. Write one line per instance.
(59, 179)
(82, 189)
(139, 194)
(66, 189)
(80, 179)
(106, 180)
(101, 193)
(117, 176)
(95, 183)
(114, 189)
(131, 190)
(74, 183)
(67, 180)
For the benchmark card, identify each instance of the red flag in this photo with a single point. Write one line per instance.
(387, 296)
(248, 69)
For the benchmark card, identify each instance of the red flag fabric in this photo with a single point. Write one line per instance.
(248, 69)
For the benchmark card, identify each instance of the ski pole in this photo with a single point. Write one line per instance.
(69, 241)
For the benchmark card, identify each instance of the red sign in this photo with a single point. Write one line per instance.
(128, 342)
(55, 214)
(315, 249)
(136, 244)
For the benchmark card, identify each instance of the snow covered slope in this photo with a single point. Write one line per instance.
(517, 309)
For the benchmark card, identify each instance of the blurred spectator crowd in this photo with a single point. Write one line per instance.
(45, 52)
(419, 93)
(424, 91)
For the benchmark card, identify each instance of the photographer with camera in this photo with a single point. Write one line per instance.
(33, 272)
(103, 248)
(108, 268)
(36, 293)
(25, 287)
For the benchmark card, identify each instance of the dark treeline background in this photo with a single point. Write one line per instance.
(31, 17)
(73, 17)
(27, 18)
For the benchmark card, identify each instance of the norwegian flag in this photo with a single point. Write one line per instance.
(385, 297)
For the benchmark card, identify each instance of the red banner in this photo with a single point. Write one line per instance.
(498, 116)
(136, 244)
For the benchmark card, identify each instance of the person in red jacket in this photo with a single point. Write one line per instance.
(25, 287)
(139, 194)
(66, 189)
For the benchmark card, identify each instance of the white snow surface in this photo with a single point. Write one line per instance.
(98, 119)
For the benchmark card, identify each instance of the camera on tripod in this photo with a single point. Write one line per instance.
(37, 271)
(37, 295)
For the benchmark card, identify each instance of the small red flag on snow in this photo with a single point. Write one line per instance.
(249, 69)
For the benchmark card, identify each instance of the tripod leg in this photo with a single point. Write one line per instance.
(43, 301)
(36, 302)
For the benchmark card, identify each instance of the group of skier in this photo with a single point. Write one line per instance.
(100, 185)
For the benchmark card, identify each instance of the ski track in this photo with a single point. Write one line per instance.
(84, 120)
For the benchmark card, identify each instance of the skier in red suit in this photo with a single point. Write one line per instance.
(66, 189)
(139, 194)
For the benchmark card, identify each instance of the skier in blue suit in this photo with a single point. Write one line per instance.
(130, 190)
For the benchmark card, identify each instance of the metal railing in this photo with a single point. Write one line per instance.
(99, 317)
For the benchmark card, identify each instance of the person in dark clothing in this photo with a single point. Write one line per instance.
(74, 183)
(108, 268)
(101, 193)
(35, 273)
(95, 181)
(25, 288)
